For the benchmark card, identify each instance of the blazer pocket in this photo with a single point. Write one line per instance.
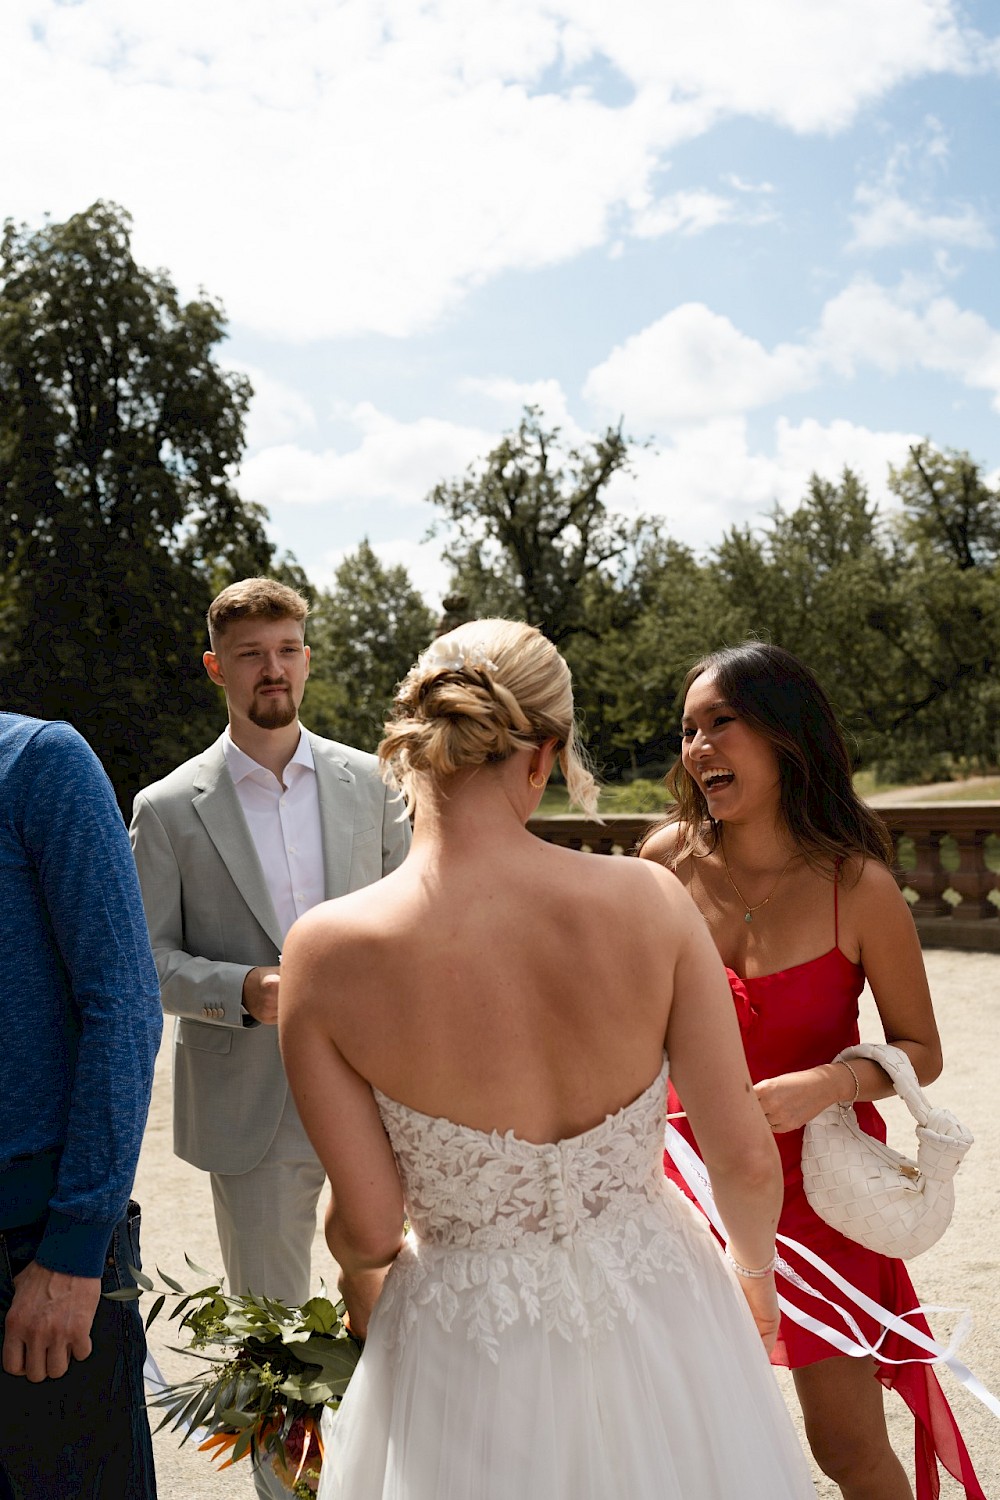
(202, 1038)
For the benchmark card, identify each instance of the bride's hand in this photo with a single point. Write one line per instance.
(762, 1299)
(360, 1291)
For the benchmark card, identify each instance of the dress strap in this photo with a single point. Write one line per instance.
(836, 889)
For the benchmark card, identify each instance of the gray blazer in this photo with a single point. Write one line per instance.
(211, 920)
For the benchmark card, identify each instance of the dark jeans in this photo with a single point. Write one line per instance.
(86, 1435)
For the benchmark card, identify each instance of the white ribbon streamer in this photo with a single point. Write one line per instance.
(692, 1169)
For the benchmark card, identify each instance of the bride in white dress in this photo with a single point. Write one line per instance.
(480, 1044)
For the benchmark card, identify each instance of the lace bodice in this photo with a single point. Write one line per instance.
(503, 1228)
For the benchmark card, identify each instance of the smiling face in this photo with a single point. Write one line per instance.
(735, 768)
(262, 664)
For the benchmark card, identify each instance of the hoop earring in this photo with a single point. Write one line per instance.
(537, 780)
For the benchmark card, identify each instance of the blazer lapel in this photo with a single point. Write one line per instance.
(217, 805)
(335, 785)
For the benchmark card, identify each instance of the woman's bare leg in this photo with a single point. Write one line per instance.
(841, 1402)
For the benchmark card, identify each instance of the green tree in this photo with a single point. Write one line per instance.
(661, 612)
(365, 633)
(528, 526)
(948, 506)
(118, 437)
(898, 615)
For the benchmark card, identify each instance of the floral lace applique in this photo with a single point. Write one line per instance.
(562, 1233)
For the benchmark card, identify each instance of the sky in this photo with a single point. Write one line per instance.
(763, 237)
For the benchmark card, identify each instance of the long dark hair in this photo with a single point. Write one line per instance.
(779, 698)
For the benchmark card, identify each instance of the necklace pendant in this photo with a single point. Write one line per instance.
(748, 917)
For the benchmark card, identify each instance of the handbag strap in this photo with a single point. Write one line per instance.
(898, 1066)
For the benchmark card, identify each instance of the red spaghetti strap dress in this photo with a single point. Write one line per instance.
(799, 1018)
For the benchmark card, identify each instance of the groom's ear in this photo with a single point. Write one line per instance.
(211, 662)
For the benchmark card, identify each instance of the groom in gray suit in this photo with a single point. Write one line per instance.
(231, 848)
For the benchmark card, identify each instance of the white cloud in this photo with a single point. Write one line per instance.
(393, 461)
(512, 396)
(427, 571)
(899, 205)
(807, 67)
(277, 411)
(826, 449)
(709, 478)
(886, 219)
(741, 186)
(332, 170)
(685, 212)
(693, 365)
(867, 324)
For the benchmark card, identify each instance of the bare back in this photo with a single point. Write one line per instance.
(529, 993)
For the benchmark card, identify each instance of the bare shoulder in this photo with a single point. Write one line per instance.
(661, 848)
(338, 926)
(869, 881)
(660, 845)
(874, 909)
(640, 890)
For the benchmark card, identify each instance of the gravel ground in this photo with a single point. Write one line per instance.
(959, 1272)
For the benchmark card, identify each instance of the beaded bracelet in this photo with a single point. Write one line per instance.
(857, 1084)
(752, 1275)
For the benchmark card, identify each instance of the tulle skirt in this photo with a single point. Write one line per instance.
(675, 1402)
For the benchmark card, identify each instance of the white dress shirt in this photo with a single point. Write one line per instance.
(285, 827)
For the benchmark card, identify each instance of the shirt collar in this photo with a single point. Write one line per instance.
(241, 765)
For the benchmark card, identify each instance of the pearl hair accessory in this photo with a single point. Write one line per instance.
(457, 658)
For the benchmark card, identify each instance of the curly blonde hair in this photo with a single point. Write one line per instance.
(477, 695)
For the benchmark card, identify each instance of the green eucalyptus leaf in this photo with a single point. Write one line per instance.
(174, 1286)
(242, 1445)
(156, 1308)
(195, 1267)
(234, 1416)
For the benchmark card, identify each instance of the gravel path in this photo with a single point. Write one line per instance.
(962, 1271)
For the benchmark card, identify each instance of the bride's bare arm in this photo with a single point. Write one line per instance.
(364, 1220)
(709, 1071)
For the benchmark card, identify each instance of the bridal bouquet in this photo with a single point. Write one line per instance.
(271, 1371)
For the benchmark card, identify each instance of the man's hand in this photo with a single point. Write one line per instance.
(260, 995)
(49, 1322)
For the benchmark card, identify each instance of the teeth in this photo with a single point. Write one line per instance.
(716, 775)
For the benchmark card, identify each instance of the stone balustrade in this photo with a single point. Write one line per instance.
(947, 862)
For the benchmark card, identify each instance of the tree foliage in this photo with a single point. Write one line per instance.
(118, 437)
(897, 612)
(528, 528)
(365, 633)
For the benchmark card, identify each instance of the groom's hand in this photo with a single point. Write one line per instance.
(260, 995)
(49, 1322)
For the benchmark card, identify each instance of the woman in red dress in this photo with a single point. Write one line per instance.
(790, 870)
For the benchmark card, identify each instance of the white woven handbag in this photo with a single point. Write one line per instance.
(871, 1193)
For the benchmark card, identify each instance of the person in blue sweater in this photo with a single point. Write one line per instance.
(80, 1023)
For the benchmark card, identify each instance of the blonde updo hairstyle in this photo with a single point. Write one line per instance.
(475, 697)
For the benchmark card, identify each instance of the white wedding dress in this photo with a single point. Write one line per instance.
(560, 1325)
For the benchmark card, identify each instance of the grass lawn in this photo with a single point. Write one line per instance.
(960, 791)
(628, 797)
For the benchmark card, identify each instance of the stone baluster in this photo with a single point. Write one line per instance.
(973, 880)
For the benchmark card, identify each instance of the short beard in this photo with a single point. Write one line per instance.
(273, 713)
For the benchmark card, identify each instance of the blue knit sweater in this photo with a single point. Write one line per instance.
(80, 1015)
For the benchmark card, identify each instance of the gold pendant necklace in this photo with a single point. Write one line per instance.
(751, 909)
